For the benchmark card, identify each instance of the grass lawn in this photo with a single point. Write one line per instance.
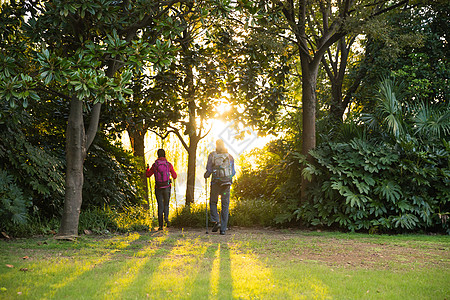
(244, 264)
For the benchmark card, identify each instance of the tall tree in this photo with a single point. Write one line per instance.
(313, 27)
(199, 82)
(199, 90)
(76, 49)
(217, 63)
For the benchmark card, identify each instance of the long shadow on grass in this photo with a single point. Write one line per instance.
(225, 279)
(131, 282)
(213, 279)
(204, 282)
(137, 282)
(75, 265)
(174, 274)
(112, 272)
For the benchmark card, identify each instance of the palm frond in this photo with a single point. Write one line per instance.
(389, 108)
(432, 120)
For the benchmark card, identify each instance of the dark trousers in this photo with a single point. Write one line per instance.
(163, 197)
(224, 193)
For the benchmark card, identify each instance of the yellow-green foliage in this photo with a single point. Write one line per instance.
(132, 218)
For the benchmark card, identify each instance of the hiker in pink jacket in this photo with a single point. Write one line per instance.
(162, 169)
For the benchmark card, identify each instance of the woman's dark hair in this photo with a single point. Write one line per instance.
(161, 153)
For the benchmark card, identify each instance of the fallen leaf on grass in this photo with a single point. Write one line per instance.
(5, 235)
(25, 257)
(24, 269)
(10, 266)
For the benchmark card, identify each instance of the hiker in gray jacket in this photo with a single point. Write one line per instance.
(221, 165)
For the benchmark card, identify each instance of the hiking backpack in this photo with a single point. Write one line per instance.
(162, 174)
(222, 168)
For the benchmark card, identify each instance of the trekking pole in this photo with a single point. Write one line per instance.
(151, 196)
(175, 194)
(206, 203)
(148, 192)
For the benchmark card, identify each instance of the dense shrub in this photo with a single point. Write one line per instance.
(93, 220)
(255, 212)
(366, 186)
(190, 216)
(132, 218)
(267, 191)
(33, 185)
(386, 170)
(35, 169)
(36, 225)
(112, 219)
(396, 180)
(13, 205)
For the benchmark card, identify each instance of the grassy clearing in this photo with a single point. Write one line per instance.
(245, 264)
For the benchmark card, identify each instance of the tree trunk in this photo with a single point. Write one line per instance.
(336, 107)
(336, 73)
(192, 149)
(75, 155)
(137, 139)
(309, 84)
(77, 143)
(191, 170)
(191, 129)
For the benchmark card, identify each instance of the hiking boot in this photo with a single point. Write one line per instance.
(222, 232)
(216, 227)
(160, 228)
(167, 224)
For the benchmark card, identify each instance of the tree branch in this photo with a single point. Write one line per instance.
(44, 88)
(180, 137)
(93, 124)
(175, 131)
(209, 130)
(390, 8)
(327, 67)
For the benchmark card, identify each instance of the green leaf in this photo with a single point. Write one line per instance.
(362, 187)
(390, 190)
(34, 96)
(407, 221)
(404, 205)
